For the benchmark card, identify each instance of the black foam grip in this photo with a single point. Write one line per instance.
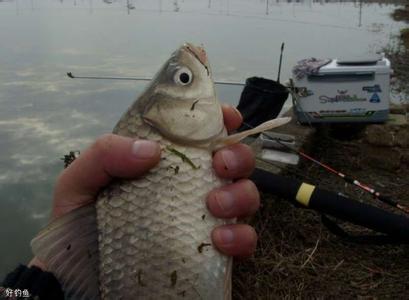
(275, 184)
(333, 204)
(360, 213)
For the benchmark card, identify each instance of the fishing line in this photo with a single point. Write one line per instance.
(346, 178)
(71, 75)
(281, 60)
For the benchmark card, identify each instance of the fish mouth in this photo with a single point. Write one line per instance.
(199, 53)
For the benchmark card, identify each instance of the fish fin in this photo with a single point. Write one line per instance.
(69, 248)
(235, 138)
(227, 280)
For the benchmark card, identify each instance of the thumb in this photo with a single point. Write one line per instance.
(111, 156)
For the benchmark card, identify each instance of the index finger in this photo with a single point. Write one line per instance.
(232, 117)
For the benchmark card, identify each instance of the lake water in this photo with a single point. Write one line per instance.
(44, 114)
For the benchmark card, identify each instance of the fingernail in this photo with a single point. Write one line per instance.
(225, 235)
(229, 159)
(225, 200)
(144, 149)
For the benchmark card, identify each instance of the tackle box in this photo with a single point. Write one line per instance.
(344, 91)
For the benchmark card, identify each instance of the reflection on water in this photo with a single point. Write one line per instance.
(44, 114)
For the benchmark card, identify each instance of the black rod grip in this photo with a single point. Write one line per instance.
(360, 214)
(333, 204)
(275, 184)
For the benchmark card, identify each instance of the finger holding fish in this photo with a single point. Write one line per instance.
(234, 161)
(110, 156)
(235, 200)
(238, 240)
(232, 117)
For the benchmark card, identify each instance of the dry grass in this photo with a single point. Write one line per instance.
(298, 258)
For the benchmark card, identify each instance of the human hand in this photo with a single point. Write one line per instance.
(113, 156)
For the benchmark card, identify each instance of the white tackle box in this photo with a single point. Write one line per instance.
(344, 91)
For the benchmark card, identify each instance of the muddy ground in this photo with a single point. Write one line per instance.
(297, 257)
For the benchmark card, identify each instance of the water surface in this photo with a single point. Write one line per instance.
(44, 114)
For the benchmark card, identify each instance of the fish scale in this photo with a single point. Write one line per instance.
(165, 257)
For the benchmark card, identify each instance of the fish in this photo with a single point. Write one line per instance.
(149, 238)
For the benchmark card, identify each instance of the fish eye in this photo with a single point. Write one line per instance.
(183, 76)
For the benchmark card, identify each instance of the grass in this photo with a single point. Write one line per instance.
(297, 257)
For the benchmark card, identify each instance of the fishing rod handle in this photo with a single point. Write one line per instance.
(333, 204)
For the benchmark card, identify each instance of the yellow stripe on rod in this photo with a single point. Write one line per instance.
(304, 194)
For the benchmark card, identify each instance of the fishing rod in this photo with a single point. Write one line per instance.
(393, 226)
(346, 178)
(71, 75)
(281, 59)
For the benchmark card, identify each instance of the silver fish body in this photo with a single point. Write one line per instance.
(154, 232)
(149, 238)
